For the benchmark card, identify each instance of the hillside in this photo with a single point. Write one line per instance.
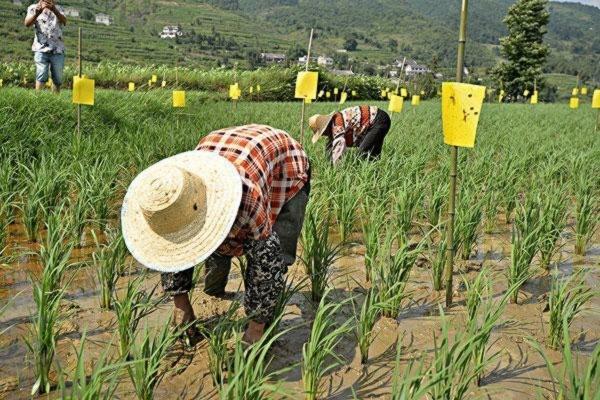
(230, 31)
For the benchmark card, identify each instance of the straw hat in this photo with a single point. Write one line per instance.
(319, 124)
(177, 212)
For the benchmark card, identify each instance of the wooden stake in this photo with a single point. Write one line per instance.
(303, 102)
(80, 67)
(449, 268)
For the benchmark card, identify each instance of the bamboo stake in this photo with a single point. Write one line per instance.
(303, 102)
(177, 87)
(449, 269)
(80, 72)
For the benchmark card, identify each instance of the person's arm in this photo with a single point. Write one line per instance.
(61, 17)
(33, 14)
(338, 145)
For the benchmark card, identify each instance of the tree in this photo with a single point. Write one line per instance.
(392, 45)
(253, 58)
(350, 44)
(340, 60)
(523, 48)
(294, 53)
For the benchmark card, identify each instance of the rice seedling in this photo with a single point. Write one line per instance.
(490, 209)
(552, 222)
(370, 311)
(100, 384)
(414, 383)
(372, 234)
(250, 378)
(566, 300)
(573, 381)
(392, 273)
(405, 201)
(130, 309)
(345, 205)
(437, 258)
(218, 337)
(318, 253)
(436, 202)
(468, 220)
(586, 214)
(146, 372)
(108, 261)
(524, 245)
(322, 342)
(48, 291)
(100, 186)
(78, 210)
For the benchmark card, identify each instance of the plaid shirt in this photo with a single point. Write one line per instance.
(273, 168)
(348, 127)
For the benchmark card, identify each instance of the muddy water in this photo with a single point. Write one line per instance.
(519, 372)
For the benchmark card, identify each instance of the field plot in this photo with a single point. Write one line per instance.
(74, 304)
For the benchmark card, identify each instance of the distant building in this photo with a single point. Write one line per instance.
(342, 72)
(325, 61)
(171, 32)
(17, 2)
(302, 60)
(411, 67)
(273, 58)
(103, 19)
(71, 12)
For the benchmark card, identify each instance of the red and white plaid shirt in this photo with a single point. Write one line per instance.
(348, 126)
(273, 167)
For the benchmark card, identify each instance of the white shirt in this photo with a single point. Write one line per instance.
(48, 34)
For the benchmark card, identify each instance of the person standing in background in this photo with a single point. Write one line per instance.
(48, 45)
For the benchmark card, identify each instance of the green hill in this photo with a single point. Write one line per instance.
(234, 31)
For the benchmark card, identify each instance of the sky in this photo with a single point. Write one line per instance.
(588, 2)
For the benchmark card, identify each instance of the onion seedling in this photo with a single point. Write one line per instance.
(468, 219)
(145, 371)
(436, 202)
(345, 204)
(587, 215)
(437, 259)
(552, 222)
(108, 261)
(405, 202)
(370, 312)
(566, 300)
(372, 233)
(322, 342)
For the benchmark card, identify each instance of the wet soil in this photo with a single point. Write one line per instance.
(519, 372)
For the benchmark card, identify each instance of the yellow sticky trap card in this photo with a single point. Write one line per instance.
(383, 94)
(154, 78)
(131, 86)
(251, 90)
(416, 100)
(328, 94)
(306, 85)
(49, 83)
(534, 98)
(150, 83)
(584, 91)
(178, 98)
(307, 101)
(575, 92)
(336, 91)
(396, 103)
(163, 84)
(526, 93)
(422, 93)
(354, 93)
(574, 102)
(343, 98)
(233, 89)
(1, 82)
(83, 91)
(403, 92)
(596, 99)
(258, 88)
(321, 94)
(461, 106)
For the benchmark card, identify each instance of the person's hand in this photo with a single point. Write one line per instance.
(254, 332)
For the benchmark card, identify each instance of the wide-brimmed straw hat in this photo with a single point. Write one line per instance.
(177, 212)
(319, 124)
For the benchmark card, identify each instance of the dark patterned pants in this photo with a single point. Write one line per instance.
(267, 264)
(372, 141)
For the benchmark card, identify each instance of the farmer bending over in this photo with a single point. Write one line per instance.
(48, 46)
(364, 127)
(243, 191)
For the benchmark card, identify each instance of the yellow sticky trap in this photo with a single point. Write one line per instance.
(307, 101)
(251, 90)
(502, 92)
(49, 83)
(343, 98)
(596, 99)
(335, 91)
(328, 94)
(163, 84)
(1, 82)
(416, 100)
(178, 98)
(575, 92)
(321, 93)
(574, 102)
(154, 78)
(383, 94)
(461, 106)
(534, 98)
(83, 91)
(500, 98)
(354, 93)
(422, 93)
(131, 87)
(403, 92)
(584, 91)
(526, 93)
(258, 88)
(396, 103)
(233, 89)
(150, 83)
(306, 85)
